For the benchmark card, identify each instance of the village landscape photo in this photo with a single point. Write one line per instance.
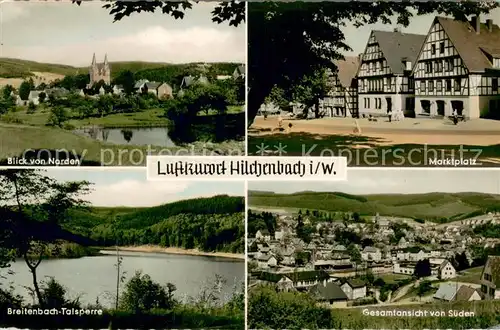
(107, 88)
(128, 253)
(407, 249)
(382, 83)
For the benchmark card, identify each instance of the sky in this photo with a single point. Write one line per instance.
(395, 181)
(357, 38)
(125, 187)
(64, 33)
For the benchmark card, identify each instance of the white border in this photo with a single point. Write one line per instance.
(246, 78)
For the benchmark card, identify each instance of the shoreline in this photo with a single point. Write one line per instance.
(175, 250)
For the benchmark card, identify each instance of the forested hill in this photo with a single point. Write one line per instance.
(17, 68)
(436, 207)
(208, 224)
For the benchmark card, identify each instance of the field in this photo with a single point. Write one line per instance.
(471, 275)
(436, 207)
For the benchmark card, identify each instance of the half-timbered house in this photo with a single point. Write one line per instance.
(342, 100)
(458, 69)
(384, 76)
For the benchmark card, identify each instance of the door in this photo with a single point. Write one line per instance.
(440, 108)
(389, 103)
(459, 106)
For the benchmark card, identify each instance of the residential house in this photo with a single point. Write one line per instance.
(239, 72)
(458, 69)
(34, 97)
(329, 294)
(288, 258)
(342, 99)
(118, 89)
(223, 77)
(385, 83)
(446, 270)
(371, 253)
(263, 234)
(299, 279)
(490, 278)
(139, 85)
(150, 87)
(467, 293)
(354, 289)
(446, 291)
(266, 261)
(403, 268)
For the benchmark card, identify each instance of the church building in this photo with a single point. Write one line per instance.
(100, 71)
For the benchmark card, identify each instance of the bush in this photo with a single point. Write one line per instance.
(142, 294)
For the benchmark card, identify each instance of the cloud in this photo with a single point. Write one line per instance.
(11, 12)
(135, 193)
(155, 44)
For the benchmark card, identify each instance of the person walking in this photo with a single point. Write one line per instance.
(389, 114)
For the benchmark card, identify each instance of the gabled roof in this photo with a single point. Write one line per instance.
(187, 81)
(139, 83)
(307, 276)
(347, 69)
(494, 263)
(447, 291)
(355, 283)
(473, 48)
(152, 85)
(398, 45)
(464, 293)
(328, 291)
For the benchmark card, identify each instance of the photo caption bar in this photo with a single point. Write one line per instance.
(251, 168)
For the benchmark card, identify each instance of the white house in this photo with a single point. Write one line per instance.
(354, 289)
(385, 83)
(407, 269)
(371, 253)
(342, 99)
(263, 234)
(458, 69)
(446, 270)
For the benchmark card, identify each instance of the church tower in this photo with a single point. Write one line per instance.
(100, 71)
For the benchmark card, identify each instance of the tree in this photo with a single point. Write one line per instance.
(33, 207)
(58, 116)
(288, 41)
(41, 97)
(422, 268)
(423, 288)
(355, 255)
(24, 90)
(31, 107)
(310, 91)
(7, 91)
(127, 80)
(142, 294)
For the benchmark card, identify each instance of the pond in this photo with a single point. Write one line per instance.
(154, 136)
(95, 277)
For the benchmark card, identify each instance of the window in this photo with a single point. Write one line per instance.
(441, 48)
(378, 105)
(431, 86)
(448, 85)
(439, 66)
(433, 49)
(492, 292)
(449, 65)
(422, 86)
(487, 277)
(439, 86)
(457, 84)
(494, 84)
(367, 103)
(428, 67)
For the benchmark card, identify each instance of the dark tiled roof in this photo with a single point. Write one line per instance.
(494, 263)
(398, 45)
(347, 69)
(464, 293)
(270, 277)
(472, 46)
(328, 291)
(356, 283)
(307, 276)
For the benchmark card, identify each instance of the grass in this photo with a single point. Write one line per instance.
(436, 207)
(371, 153)
(471, 275)
(486, 314)
(393, 278)
(16, 139)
